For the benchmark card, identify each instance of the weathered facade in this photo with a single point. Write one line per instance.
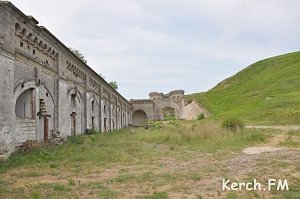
(44, 87)
(162, 105)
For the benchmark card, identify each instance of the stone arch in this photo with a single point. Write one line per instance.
(23, 104)
(75, 113)
(29, 123)
(17, 27)
(168, 113)
(35, 40)
(30, 37)
(139, 117)
(46, 109)
(23, 86)
(24, 32)
(41, 44)
(105, 119)
(169, 105)
(93, 113)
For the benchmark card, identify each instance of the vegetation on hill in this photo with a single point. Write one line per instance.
(267, 92)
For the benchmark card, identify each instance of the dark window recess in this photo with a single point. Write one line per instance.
(21, 44)
(47, 62)
(33, 51)
(28, 47)
(73, 100)
(93, 105)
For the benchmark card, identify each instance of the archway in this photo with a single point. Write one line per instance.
(34, 111)
(138, 118)
(75, 112)
(93, 114)
(168, 113)
(25, 104)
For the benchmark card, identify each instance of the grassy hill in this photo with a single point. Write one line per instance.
(267, 92)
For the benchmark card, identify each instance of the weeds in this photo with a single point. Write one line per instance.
(77, 140)
(206, 137)
(71, 182)
(233, 124)
(158, 195)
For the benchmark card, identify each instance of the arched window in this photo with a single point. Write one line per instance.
(17, 27)
(24, 32)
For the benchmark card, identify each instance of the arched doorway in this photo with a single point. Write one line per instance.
(168, 113)
(25, 126)
(75, 114)
(138, 118)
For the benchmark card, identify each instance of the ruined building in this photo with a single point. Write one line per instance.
(45, 88)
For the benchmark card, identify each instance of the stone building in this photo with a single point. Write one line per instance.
(44, 87)
(160, 106)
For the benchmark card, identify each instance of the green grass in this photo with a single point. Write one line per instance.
(266, 92)
(123, 146)
(204, 136)
(293, 140)
(170, 158)
(159, 195)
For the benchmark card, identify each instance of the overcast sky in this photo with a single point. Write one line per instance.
(162, 45)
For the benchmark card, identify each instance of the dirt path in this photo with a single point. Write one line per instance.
(284, 128)
(272, 145)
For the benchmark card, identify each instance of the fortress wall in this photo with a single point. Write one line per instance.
(74, 96)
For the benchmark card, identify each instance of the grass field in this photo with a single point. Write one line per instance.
(173, 159)
(266, 92)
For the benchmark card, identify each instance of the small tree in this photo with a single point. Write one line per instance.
(114, 84)
(78, 54)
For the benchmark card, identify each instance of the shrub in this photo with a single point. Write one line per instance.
(233, 124)
(153, 125)
(77, 140)
(200, 116)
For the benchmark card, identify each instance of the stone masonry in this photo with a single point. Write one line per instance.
(45, 88)
(161, 105)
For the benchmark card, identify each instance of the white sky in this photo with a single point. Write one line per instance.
(161, 45)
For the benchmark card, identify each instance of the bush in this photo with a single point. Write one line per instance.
(200, 116)
(153, 125)
(233, 124)
(76, 140)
